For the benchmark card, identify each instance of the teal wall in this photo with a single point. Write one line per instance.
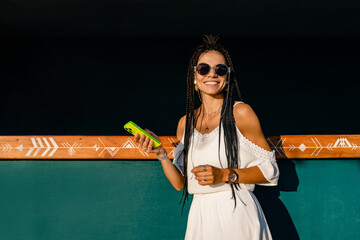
(315, 199)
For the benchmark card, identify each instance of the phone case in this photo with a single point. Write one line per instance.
(132, 128)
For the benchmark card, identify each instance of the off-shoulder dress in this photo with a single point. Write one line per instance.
(212, 214)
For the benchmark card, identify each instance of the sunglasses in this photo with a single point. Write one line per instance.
(204, 68)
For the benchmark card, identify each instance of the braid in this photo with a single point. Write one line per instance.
(227, 120)
(227, 56)
(210, 40)
(189, 119)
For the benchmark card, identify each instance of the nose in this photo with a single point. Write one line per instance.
(212, 72)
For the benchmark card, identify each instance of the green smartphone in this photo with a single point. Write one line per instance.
(132, 128)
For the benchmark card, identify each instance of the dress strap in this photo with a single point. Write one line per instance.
(238, 102)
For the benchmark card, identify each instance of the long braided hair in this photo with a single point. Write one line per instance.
(227, 120)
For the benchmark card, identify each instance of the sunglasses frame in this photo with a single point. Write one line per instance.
(228, 68)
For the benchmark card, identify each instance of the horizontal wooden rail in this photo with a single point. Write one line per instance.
(123, 147)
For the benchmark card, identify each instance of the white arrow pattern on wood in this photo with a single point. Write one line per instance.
(340, 143)
(307, 146)
(40, 147)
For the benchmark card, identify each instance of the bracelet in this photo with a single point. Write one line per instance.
(163, 157)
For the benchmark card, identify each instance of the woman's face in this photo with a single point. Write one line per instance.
(211, 83)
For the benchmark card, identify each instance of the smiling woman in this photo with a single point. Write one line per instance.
(222, 152)
(211, 73)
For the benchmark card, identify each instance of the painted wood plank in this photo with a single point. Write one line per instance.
(123, 147)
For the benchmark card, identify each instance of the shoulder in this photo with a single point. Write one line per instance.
(244, 115)
(181, 128)
(249, 125)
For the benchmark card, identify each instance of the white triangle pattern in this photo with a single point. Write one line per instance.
(20, 148)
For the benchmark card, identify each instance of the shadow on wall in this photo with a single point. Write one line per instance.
(277, 216)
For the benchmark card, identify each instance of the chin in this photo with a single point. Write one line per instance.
(214, 93)
(212, 90)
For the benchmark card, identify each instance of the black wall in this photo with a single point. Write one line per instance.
(80, 68)
(75, 67)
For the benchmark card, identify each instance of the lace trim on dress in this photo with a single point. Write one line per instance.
(256, 149)
(245, 142)
(204, 137)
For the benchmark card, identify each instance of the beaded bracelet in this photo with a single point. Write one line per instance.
(163, 157)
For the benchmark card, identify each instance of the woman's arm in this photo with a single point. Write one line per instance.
(249, 125)
(171, 172)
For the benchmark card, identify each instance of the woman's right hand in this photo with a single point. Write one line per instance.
(146, 144)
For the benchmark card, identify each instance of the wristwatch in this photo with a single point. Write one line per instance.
(233, 176)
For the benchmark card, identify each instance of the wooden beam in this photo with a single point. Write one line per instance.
(123, 147)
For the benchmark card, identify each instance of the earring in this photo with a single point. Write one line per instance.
(197, 90)
(196, 87)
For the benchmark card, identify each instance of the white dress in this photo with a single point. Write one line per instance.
(212, 214)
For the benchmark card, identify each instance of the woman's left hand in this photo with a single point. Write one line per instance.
(208, 175)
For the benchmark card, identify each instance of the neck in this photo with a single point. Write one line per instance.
(212, 103)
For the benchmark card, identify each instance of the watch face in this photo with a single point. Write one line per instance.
(233, 177)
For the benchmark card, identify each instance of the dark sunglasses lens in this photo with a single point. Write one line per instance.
(221, 70)
(203, 69)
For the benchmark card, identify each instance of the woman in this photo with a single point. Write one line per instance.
(222, 153)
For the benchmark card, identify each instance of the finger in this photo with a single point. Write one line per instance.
(201, 168)
(142, 138)
(208, 179)
(150, 149)
(136, 137)
(207, 182)
(152, 134)
(198, 169)
(202, 174)
(205, 178)
(200, 178)
(146, 142)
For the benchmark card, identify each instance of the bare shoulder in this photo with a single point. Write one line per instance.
(249, 125)
(244, 115)
(181, 128)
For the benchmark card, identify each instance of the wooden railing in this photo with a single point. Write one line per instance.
(123, 147)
